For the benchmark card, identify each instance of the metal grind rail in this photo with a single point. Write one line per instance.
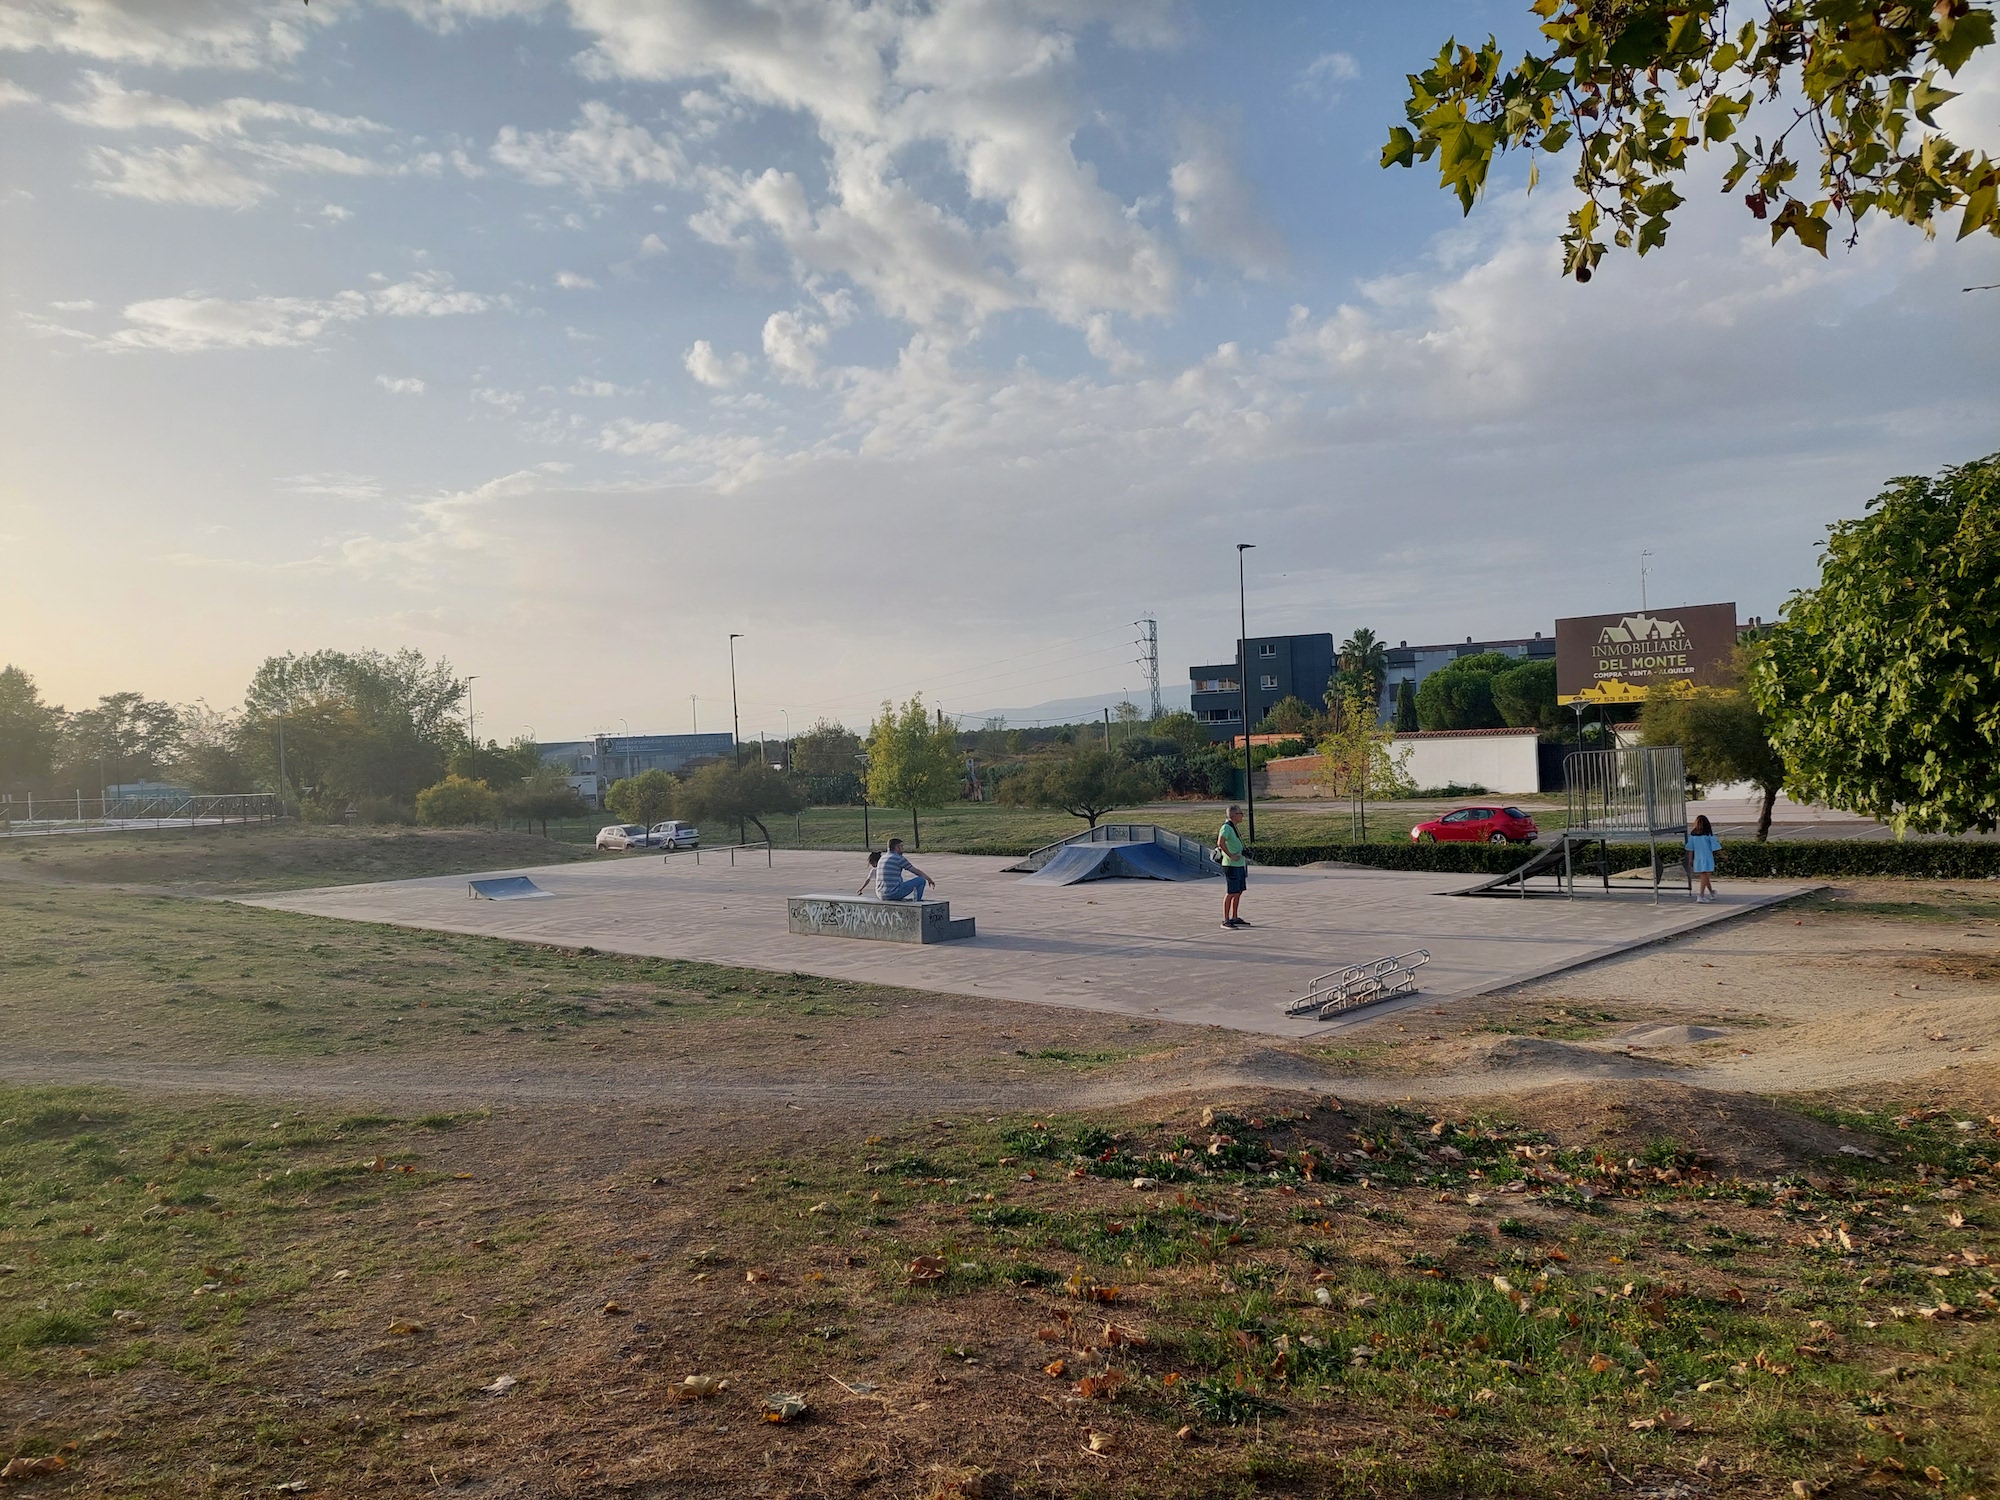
(1357, 985)
(732, 850)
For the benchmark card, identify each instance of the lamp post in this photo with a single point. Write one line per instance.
(694, 712)
(735, 722)
(1243, 684)
(472, 724)
(788, 739)
(1644, 553)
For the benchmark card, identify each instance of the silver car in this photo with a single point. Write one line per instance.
(623, 836)
(674, 835)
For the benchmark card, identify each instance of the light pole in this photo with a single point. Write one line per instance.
(735, 722)
(1644, 553)
(788, 739)
(472, 724)
(694, 712)
(1243, 683)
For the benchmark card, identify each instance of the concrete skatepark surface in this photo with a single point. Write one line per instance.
(1133, 947)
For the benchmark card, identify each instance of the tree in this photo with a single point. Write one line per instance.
(1459, 695)
(353, 724)
(1085, 783)
(646, 798)
(456, 801)
(1882, 685)
(1637, 83)
(1722, 738)
(1363, 666)
(726, 793)
(912, 762)
(28, 728)
(1525, 696)
(493, 761)
(211, 757)
(1184, 729)
(545, 794)
(826, 749)
(1406, 707)
(1289, 716)
(1357, 758)
(125, 737)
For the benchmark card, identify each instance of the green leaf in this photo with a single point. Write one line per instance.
(1965, 36)
(1401, 150)
(1982, 210)
(1642, 41)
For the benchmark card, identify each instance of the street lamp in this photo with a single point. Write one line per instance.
(472, 724)
(1243, 684)
(694, 712)
(1644, 553)
(788, 738)
(735, 723)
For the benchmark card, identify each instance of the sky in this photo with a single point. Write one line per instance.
(925, 346)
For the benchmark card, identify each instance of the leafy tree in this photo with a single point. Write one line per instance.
(827, 749)
(912, 762)
(1358, 758)
(1636, 84)
(1459, 695)
(28, 729)
(725, 793)
(1085, 783)
(354, 724)
(125, 737)
(1406, 707)
(542, 795)
(1525, 695)
(1363, 666)
(211, 758)
(1289, 716)
(1184, 729)
(646, 798)
(456, 801)
(495, 762)
(1882, 685)
(1722, 737)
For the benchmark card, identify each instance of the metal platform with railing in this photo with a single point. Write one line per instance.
(1628, 796)
(1190, 853)
(1358, 985)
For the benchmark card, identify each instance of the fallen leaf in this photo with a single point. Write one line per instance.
(1642, 1424)
(1599, 1364)
(25, 1467)
(611, 1310)
(1186, 1434)
(1056, 1367)
(501, 1385)
(755, 1276)
(1934, 1474)
(1100, 1387)
(1103, 1442)
(927, 1268)
(403, 1328)
(701, 1387)
(784, 1406)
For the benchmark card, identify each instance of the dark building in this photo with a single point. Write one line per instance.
(1281, 666)
(1412, 664)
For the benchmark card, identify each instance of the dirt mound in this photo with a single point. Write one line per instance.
(1534, 1054)
(1733, 1133)
(1668, 1036)
(1205, 1072)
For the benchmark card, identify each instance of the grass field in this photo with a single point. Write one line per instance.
(284, 1266)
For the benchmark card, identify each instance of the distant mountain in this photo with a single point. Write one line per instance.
(1072, 710)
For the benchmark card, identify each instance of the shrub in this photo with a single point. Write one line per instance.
(457, 800)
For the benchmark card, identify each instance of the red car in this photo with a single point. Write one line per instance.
(1477, 825)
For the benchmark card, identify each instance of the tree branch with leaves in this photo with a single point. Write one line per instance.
(1637, 85)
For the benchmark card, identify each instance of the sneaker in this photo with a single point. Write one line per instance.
(1241, 923)
(1228, 926)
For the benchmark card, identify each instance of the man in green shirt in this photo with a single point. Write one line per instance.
(1235, 867)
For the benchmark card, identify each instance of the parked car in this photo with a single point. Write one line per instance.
(623, 836)
(674, 835)
(1477, 825)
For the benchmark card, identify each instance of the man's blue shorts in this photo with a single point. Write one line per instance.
(1234, 878)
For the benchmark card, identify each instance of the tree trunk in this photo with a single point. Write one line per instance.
(916, 833)
(1764, 814)
(761, 828)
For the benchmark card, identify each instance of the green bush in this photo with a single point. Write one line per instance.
(456, 801)
(1802, 859)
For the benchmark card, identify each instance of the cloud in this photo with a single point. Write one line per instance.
(603, 151)
(188, 174)
(792, 343)
(109, 105)
(11, 93)
(652, 245)
(194, 324)
(162, 33)
(570, 281)
(1323, 76)
(336, 486)
(716, 370)
(595, 389)
(400, 385)
(1217, 210)
(83, 306)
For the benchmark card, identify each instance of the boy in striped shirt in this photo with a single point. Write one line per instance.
(896, 879)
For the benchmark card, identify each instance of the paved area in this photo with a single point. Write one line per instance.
(1133, 947)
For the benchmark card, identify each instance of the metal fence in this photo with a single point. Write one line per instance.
(25, 816)
(1639, 793)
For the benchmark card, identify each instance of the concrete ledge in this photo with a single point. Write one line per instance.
(875, 921)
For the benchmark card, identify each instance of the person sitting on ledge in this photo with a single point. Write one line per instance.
(874, 859)
(896, 879)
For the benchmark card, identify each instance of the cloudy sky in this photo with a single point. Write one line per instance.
(927, 345)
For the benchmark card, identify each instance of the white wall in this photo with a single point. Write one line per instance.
(1500, 762)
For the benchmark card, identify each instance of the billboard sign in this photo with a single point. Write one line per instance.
(1619, 658)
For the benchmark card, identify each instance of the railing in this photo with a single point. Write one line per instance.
(1189, 851)
(731, 850)
(1639, 792)
(1361, 984)
(24, 816)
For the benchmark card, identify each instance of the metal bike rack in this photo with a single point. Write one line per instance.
(1360, 984)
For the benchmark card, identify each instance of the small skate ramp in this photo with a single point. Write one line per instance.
(1108, 861)
(1143, 851)
(504, 888)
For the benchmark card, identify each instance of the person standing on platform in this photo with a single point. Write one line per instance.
(1235, 868)
(1703, 846)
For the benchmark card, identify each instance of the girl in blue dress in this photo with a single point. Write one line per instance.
(1703, 846)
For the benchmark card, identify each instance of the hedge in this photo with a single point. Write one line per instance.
(1930, 859)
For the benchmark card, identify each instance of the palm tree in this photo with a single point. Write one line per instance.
(1364, 664)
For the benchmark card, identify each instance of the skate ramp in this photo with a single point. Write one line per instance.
(504, 888)
(1108, 861)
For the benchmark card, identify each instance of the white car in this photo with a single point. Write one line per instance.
(671, 836)
(623, 836)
